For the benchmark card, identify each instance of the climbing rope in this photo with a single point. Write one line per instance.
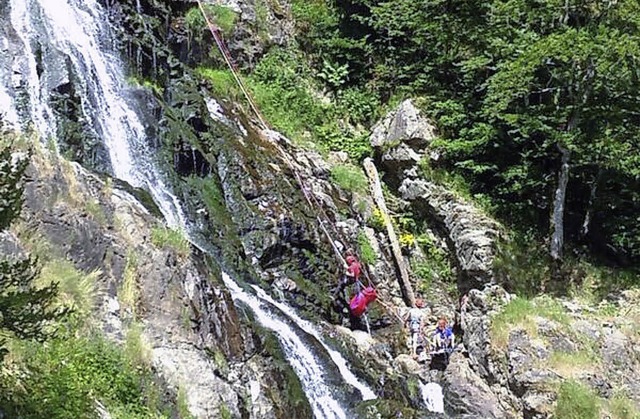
(311, 199)
(226, 55)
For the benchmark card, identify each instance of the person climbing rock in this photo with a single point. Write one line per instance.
(413, 321)
(352, 273)
(443, 337)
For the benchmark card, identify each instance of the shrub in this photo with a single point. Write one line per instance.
(367, 254)
(575, 401)
(63, 379)
(377, 220)
(407, 240)
(76, 289)
(349, 178)
(222, 16)
(222, 82)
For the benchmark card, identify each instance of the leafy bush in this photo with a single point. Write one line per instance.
(367, 254)
(407, 240)
(349, 178)
(575, 401)
(64, 378)
(222, 16)
(377, 220)
(221, 82)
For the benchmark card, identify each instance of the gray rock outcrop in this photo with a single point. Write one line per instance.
(402, 140)
(188, 323)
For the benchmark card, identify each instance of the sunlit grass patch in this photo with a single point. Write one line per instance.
(164, 237)
(576, 401)
(350, 178)
(518, 313)
(129, 292)
(572, 364)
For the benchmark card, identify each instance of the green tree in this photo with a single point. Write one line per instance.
(25, 309)
(537, 103)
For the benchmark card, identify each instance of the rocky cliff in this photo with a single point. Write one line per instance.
(249, 216)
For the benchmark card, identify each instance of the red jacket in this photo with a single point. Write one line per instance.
(353, 268)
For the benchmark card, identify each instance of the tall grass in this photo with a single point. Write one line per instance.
(350, 178)
(129, 291)
(576, 401)
(164, 237)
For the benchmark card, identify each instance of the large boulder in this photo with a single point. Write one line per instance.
(400, 139)
(471, 233)
(403, 124)
(466, 395)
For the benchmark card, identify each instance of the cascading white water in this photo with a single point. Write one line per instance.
(40, 113)
(302, 360)
(77, 30)
(338, 359)
(432, 397)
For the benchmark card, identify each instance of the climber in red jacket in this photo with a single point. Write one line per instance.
(351, 274)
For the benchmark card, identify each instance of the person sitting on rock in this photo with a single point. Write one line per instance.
(443, 337)
(413, 320)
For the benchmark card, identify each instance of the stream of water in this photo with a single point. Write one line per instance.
(74, 33)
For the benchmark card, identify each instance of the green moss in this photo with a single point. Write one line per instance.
(575, 401)
(148, 84)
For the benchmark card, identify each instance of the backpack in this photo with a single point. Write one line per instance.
(360, 301)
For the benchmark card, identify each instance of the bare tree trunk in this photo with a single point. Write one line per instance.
(376, 189)
(592, 197)
(557, 216)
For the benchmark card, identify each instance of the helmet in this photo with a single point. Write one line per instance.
(351, 259)
(419, 303)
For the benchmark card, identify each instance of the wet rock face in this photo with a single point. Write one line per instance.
(198, 343)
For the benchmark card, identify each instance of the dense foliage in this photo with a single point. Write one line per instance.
(515, 86)
(25, 309)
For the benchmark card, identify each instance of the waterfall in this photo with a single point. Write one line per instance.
(73, 33)
(432, 397)
(336, 357)
(304, 363)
